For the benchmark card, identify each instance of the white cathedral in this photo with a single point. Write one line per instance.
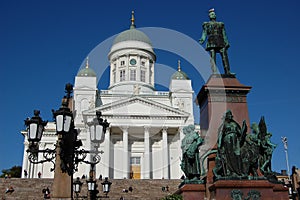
(145, 132)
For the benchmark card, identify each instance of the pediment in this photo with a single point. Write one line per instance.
(137, 106)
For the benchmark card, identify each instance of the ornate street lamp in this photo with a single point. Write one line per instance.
(68, 144)
(77, 186)
(97, 128)
(35, 127)
(106, 186)
(64, 117)
(92, 188)
(91, 185)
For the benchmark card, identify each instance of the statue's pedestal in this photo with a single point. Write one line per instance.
(223, 189)
(192, 191)
(219, 94)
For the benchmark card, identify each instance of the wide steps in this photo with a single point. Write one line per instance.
(31, 189)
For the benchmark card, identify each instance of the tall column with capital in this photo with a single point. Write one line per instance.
(165, 153)
(125, 153)
(106, 152)
(146, 153)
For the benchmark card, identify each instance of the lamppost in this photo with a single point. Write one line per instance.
(66, 151)
(106, 186)
(92, 188)
(77, 187)
(285, 144)
(289, 184)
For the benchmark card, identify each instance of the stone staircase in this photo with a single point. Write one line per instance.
(31, 189)
(24, 189)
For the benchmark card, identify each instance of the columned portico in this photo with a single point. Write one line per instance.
(146, 153)
(125, 152)
(165, 152)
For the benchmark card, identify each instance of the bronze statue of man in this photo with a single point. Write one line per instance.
(217, 41)
(190, 163)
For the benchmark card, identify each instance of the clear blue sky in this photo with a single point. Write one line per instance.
(43, 44)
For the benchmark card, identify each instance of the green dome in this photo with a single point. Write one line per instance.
(180, 75)
(87, 72)
(132, 35)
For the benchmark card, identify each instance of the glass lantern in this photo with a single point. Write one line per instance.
(106, 185)
(64, 119)
(35, 127)
(77, 185)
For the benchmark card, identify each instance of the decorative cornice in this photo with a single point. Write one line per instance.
(159, 117)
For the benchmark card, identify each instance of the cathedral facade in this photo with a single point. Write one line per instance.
(143, 140)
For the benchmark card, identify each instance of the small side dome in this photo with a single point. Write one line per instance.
(179, 75)
(87, 71)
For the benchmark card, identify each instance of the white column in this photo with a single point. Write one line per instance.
(88, 145)
(181, 136)
(41, 157)
(32, 170)
(165, 152)
(25, 160)
(146, 153)
(125, 153)
(107, 153)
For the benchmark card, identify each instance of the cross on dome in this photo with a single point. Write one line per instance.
(132, 20)
(87, 63)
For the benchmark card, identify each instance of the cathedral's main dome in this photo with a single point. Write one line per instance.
(132, 35)
(133, 40)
